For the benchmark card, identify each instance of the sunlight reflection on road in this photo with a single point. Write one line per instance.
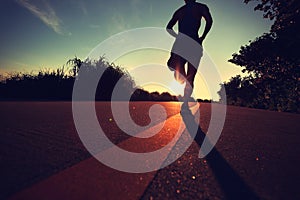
(135, 154)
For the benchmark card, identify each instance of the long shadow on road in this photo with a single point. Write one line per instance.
(231, 183)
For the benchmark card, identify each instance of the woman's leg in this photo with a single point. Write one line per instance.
(190, 77)
(180, 74)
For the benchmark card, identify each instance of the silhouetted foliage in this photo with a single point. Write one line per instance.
(58, 84)
(204, 100)
(142, 95)
(285, 13)
(75, 65)
(272, 62)
(45, 85)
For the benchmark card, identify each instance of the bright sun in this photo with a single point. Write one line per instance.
(176, 87)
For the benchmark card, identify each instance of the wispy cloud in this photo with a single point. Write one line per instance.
(94, 26)
(136, 11)
(83, 8)
(46, 14)
(135, 3)
(119, 23)
(19, 64)
(151, 9)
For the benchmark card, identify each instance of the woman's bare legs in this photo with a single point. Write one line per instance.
(188, 90)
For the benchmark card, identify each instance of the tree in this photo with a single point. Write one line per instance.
(272, 62)
(286, 16)
(75, 65)
(285, 13)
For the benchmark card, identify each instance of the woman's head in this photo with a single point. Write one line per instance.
(189, 1)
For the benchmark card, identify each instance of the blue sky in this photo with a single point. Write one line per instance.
(46, 33)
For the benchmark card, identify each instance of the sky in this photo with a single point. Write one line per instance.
(38, 34)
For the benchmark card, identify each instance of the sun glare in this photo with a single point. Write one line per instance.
(176, 87)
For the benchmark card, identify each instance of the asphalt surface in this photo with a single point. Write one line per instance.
(42, 157)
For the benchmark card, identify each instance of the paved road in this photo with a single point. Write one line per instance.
(42, 157)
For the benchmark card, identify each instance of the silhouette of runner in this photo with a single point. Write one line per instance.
(189, 20)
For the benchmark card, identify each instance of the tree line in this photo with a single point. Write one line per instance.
(57, 85)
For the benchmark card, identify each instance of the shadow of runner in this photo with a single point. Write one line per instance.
(231, 183)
